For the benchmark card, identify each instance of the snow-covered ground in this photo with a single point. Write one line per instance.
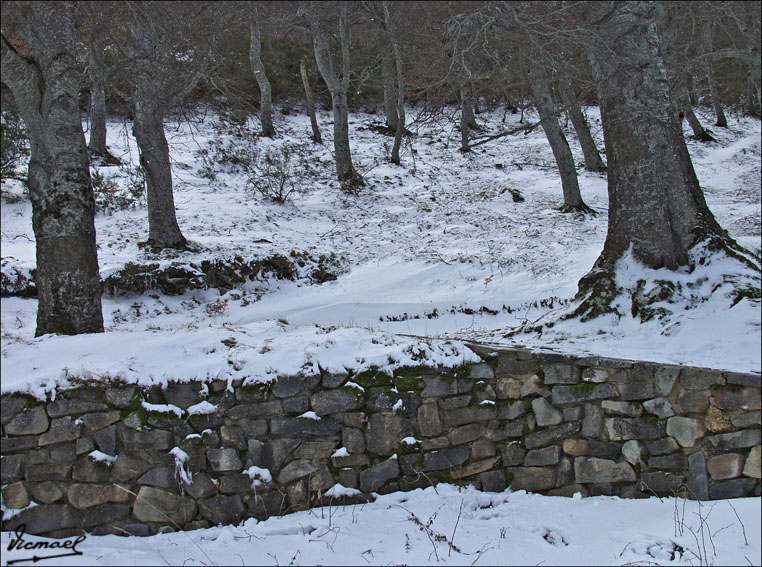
(452, 526)
(430, 254)
(437, 248)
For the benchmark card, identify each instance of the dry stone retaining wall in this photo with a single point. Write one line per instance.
(111, 458)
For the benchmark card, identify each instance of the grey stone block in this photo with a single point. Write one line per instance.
(543, 457)
(302, 426)
(732, 488)
(546, 414)
(562, 395)
(63, 407)
(60, 430)
(661, 482)
(533, 479)
(223, 509)
(224, 459)
(376, 476)
(326, 402)
(624, 428)
(31, 421)
(676, 461)
(512, 454)
(636, 390)
(698, 479)
(626, 409)
(445, 458)
(561, 374)
(551, 435)
(288, 386)
(157, 505)
(595, 470)
(735, 440)
(160, 476)
(44, 519)
(385, 431)
(466, 433)
(260, 410)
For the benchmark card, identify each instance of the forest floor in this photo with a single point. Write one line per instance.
(426, 256)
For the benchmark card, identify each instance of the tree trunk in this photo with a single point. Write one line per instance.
(97, 79)
(687, 111)
(350, 179)
(464, 128)
(656, 206)
(559, 145)
(467, 107)
(722, 121)
(400, 109)
(310, 102)
(265, 92)
(390, 98)
(148, 129)
(46, 84)
(593, 161)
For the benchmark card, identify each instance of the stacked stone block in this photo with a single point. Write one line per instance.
(114, 458)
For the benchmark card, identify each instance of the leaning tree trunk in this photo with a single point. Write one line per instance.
(390, 98)
(685, 110)
(559, 145)
(163, 230)
(656, 207)
(316, 137)
(97, 79)
(46, 85)
(265, 91)
(593, 161)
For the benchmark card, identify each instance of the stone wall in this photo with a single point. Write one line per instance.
(111, 458)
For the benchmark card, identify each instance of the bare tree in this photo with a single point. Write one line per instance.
(40, 68)
(400, 110)
(165, 67)
(338, 85)
(255, 59)
(546, 108)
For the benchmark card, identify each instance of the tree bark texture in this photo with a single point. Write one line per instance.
(561, 151)
(338, 87)
(96, 72)
(714, 92)
(316, 137)
(265, 92)
(46, 84)
(390, 98)
(656, 206)
(593, 161)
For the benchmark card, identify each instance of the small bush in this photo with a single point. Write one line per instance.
(14, 145)
(110, 196)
